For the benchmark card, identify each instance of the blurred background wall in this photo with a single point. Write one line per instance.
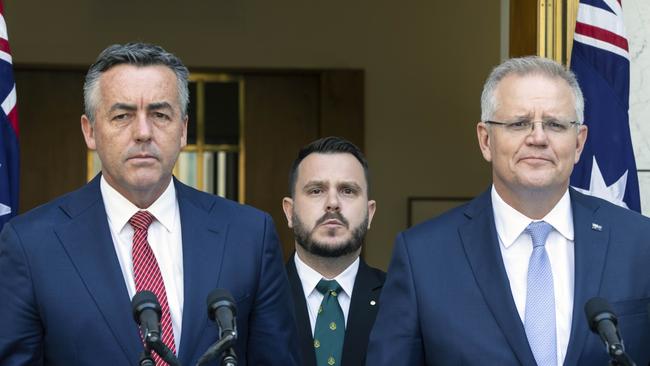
(423, 64)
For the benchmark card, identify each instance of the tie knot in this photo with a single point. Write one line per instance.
(538, 231)
(328, 286)
(141, 220)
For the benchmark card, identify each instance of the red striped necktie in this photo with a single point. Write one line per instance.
(147, 276)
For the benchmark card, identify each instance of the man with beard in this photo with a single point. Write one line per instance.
(335, 292)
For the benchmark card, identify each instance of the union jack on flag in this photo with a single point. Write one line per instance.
(9, 158)
(601, 61)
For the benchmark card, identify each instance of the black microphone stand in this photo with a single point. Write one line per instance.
(164, 352)
(222, 345)
(229, 358)
(145, 358)
(621, 360)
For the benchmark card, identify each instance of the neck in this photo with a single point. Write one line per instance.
(327, 267)
(140, 197)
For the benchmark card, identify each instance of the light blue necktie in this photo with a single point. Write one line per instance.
(540, 299)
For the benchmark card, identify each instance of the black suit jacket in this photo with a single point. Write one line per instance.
(361, 317)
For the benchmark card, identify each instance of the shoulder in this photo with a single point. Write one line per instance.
(60, 209)
(448, 222)
(372, 272)
(607, 212)
(218, 206)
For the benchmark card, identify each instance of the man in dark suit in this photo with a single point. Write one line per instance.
(503, 280)
(69, 268)
(329, 212)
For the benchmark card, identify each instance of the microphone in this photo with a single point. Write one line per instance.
(147, 313)
(222, 310)
(603, 321)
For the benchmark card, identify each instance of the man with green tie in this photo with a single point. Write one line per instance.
(334, 291)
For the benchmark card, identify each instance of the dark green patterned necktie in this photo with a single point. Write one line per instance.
(330, 325)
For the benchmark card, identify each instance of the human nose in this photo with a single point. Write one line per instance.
(333, 203)
(142, 127)
(537, 135)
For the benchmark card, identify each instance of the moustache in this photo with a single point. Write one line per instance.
(333, 216)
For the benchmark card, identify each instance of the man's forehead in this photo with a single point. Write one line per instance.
(521, 92)
(330, 166)
(151, 86)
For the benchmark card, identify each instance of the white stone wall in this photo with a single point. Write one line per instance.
(637, 25)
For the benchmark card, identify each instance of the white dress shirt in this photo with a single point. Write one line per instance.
(310, 278)
(164, 237)
(517, 246)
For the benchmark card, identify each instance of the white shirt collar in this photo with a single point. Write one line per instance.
(119, 209)
(510, 223)
(310, 277)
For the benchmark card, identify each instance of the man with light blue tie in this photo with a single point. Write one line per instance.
(503, 279)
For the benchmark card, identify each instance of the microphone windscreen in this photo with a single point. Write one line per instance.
(144, 300)
(217, 298)
(596, 310)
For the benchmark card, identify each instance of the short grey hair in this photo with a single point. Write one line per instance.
(523, 66)
(137, 54)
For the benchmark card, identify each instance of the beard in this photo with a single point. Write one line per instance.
(305, 239)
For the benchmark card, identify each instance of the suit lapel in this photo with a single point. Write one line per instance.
(87, 240)
(362, 314)
(481, 246)
(203, 246)
(590, 251)
(305, 336)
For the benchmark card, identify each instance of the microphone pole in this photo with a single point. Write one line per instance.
(229, 357)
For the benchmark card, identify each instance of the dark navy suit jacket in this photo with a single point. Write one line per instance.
(361, 316)
(63, 299)
(447, 300)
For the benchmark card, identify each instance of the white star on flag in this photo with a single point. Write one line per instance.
(4, 210)
(598, 188)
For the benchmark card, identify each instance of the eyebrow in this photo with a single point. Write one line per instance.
(313, 183)
(122, 106)
(159, 105)
(350, 184)
(132, 107)
(545, 117)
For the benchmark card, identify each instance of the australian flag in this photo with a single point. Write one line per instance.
(9, 158)
(601, 62)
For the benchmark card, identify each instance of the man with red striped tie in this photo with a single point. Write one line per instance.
(69, 269)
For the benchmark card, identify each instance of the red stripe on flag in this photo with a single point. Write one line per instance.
(13, 119)
(601, 34)
(4, 45)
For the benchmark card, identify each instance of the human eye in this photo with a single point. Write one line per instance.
(349, 191)
(556, 126)
(519, 125)
(120, 117)
(314, 191)
(160, 116)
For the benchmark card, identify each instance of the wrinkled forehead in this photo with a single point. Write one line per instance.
(534, 95)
